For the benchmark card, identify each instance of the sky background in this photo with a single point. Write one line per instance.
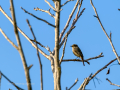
(88, 35)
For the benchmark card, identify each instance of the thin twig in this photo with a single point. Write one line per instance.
(11, 82)
(66, 2)
(43, 53)
(80, 4)
(91, 76)
(73, 84)
(103, 67)
(86, 81)
(99, 56)
(50, 5)
(38, 17)
(8, 39)
(105, 31)
(63, 50)
(69, 19)
(41, 76)
(47, 48)
(47, 11)
(112, 83)
(72, 27)
(20, 47)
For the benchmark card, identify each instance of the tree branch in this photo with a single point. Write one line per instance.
(86, 81)
(99, 56)
(69, 19)
(44, 54)
(72, 27)
(11, 82)
(105, 31)
(112, 83)
(73, 84)
(20, 47)
(66, 2)
(63, 50)
(50, 5)
(41, 76)
(47, 48)
(47, 11)
(38, 17)
(8, 39)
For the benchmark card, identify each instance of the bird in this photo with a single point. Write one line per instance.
(77, 52)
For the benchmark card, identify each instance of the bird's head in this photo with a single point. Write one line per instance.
(74, 45)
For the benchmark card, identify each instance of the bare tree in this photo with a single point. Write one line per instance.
(60, 40)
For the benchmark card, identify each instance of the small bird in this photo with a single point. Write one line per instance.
(77, 52)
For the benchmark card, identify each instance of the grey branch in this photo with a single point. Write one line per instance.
(80, 4)
(11, 82)
(67, 2)
(63, 49)
(99, 56)
(91, 76)
(8, 39)
(47, 11)
(112, 83)
(38, 17)
(41, 75)
(28, 80)
(72, 27)
(105, 31)
(73, 84)
(69, 19)
(44, 54)
(50, 5)
(85, 82)
(47, 48)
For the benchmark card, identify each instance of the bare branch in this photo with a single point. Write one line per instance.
(38, 17)
(63, 50)
(91, 76)
(50, 5)
(8, 39)
(44, 54)
(112, 83)
(30, 66)
(85, 82)
(110, 36)
(47, 48)
(73, 84)
(47, 11)
(72, 27)
(20, 47)
(67, 2)
(104, 67)
(80, 4)
(69, 19)
(105, 31)
(41, 76)
(11, 82)
(99, 56)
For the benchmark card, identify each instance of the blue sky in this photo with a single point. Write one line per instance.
(88, 35)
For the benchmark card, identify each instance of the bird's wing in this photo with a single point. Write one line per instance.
(78, 52)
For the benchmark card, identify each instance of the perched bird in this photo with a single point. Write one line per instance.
(77, 52)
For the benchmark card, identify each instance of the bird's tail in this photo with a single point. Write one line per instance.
(82, 60)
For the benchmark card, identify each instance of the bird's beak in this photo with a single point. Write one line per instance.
(70, 46)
